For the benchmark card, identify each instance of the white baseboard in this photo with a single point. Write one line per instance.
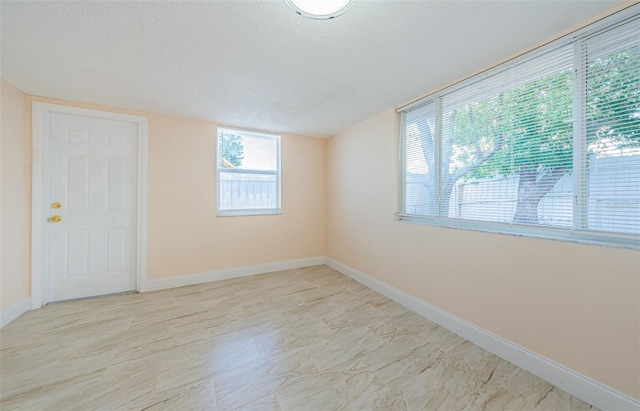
(568, 380)
(16, 310)
(199, 278)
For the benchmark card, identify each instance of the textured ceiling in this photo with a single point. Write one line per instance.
(258, 64)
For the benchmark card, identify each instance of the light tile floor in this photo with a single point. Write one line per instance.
(306, 339)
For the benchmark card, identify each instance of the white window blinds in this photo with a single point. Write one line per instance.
(419, 166)
(550, 142)
(611, 185)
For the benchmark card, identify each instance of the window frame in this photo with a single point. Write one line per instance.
(575, 235)
(277, 173)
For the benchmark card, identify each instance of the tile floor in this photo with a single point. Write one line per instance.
(306, 339)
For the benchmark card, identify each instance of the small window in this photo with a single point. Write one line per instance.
(248, 173)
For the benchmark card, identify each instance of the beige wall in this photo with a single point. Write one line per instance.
(15, 214)
(184, 235)
(575, 304)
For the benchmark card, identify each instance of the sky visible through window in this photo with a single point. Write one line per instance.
(259, 154)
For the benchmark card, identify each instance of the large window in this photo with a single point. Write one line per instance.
(248, 173)
(546, 145)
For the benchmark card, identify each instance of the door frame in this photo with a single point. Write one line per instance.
(40, 183)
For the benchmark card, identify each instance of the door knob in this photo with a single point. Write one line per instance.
(55, 219)
(56, 205)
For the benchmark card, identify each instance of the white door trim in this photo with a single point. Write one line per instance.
(40, 191)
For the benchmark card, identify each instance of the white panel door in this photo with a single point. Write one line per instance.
(94, 177)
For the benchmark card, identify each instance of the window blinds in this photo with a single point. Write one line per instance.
(611, 187)
(551, 141)
(419, 165)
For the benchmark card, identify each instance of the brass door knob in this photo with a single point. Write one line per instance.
(55, 219)
(56, 205)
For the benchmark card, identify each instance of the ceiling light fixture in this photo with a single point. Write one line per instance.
(320, 9)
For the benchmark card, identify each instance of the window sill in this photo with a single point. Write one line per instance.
(241, 213)
(565, 235)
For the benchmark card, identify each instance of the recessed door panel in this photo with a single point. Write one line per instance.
(77, 136)
(76, 244)
(116, 184)
(76, 176)
(116, 249)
